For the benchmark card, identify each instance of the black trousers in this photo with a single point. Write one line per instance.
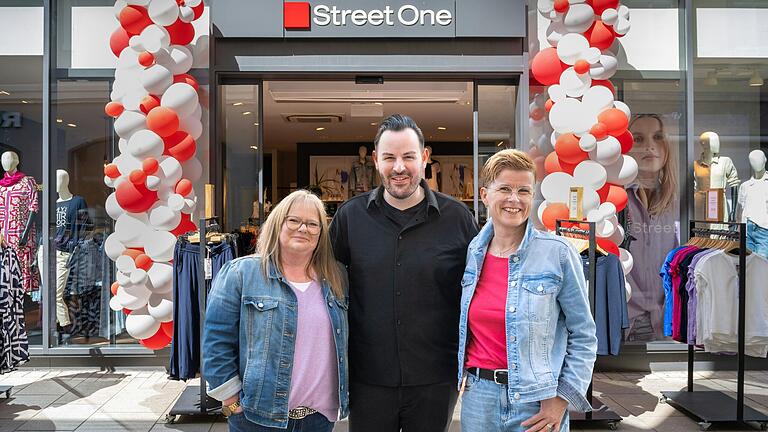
(426, 408)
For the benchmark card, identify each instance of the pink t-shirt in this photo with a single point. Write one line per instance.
(487, 347)
(315, 379)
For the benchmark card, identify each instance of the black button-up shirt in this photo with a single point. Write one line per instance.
(405, 286)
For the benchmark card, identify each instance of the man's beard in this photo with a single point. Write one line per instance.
(399, 193)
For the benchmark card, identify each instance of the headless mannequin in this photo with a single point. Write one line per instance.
(62, 257)
(361, 178)
(10, 161)
(713, 171)
(432, 172)
(753, 193)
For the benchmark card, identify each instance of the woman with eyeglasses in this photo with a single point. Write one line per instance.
(275, 341)
(527, 341)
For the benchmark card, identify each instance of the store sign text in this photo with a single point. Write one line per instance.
(10, 119)
(297, 16)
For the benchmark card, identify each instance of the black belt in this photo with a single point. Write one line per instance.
(499, 376)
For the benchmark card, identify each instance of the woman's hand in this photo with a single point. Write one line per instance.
(232, 400)
(549, 417)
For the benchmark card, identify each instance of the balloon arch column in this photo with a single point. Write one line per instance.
(158, 118)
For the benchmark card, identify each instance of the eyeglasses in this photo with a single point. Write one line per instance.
(294, 223)
(522, 192)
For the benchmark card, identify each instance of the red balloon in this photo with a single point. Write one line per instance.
(180, 145)
(568, 150)
(134, 19)
(148, 103)
(143, 262)
(561, 6)
(603, 192)
(546, 67)
(114, 109)
(167, 327)
(150, 166)
(537, 114)
(608, 246)
(627, 141)
(581, 67)
(135, 198)
(112, 171)
(600, 35)
(157, 341)
(198, 10)
(146, 59)
(114, 288)
(600, 6)
(615, 120)
(163, 121)
(118, 41)
(127, 311)
(549, 104)
(599, 131)
(184, 187)
(553, 164)
(187, 79)
(133, 253)
(605, 83)
(618, 196)
(181, 33)
(186, 225)
(137, 177)
(552, 213)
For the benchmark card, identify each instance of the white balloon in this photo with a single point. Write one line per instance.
(153, 183)
(587, 142)
(571, 48)
(189, 205)
(118, 7)
(557, 93)
(139, 278)
(193, 3)
(182, 98)
(146, 144)
(562, 114)
(126, 163)
(186, 14)
(575, 85)
(160, 307)
(163, 218)
(607, 151)
(109, 182)
(627, 262)
(545, 7)
(141, 325)
(113, 247)
(628, 288)
(128, 123)
(125, 264)
(555, 32)
(590, 174)
(181, 59)
(159, 245)
(592, 55)
(161, 277)
(192, 169)
(163, 12)
(605, 68)
(610, 16)
(138, 2)
(122, 145)
(590, 199)
(130, 227)
(618, 235)
(192, 126)
(172, 171)
(597, 99)
(133, 297)
(579, 18)
(556, 186)
(623, 171)
(123, 279)
(154, 38)
(607, 210)
(198, 112)
(623, 107)
(112, 207)
(200, 52)
(176, 203)
(622, 27)
(605, 229)
(156, 79)
(115, 305)
(540, 210)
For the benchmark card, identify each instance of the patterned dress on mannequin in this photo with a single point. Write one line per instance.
(16, 203)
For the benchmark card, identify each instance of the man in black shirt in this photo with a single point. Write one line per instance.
(405, 249)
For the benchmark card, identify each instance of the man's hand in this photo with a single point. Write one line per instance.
(2, 240)
(232, 400)
(549, 417)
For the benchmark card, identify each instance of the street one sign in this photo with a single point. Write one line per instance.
(297, 16)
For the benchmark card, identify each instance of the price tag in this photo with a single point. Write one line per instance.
(208, 269)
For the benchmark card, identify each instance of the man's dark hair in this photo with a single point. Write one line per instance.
(397, 123)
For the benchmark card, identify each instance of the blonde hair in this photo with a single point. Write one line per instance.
(511, 159)
(664, 196)
(323, 262)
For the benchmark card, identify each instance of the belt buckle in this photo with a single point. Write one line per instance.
(299, 413)
(496, 374)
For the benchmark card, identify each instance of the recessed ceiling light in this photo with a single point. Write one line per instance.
(246, 112)
(500, 143)
(256, 124)
(237, 104)
(378, 103)
(373, 123)
(59, 121)
(756, 80)
(254, 147)
(71, 125)
(5, 93)
(441, 128)
(320, 129)
(24, 102)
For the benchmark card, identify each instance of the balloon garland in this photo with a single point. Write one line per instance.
(585, 126)
(158, 118)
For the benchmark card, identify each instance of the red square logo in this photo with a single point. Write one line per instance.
(296, 15)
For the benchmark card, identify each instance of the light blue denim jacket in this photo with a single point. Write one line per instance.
(550, 332)
(249, 340)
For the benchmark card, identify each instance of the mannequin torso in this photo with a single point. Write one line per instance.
(753, 193)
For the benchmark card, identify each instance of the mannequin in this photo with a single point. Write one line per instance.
(362, 177)
(432, 173)
(71, 221)
(753, 204)
(18, 205)
(712, 171)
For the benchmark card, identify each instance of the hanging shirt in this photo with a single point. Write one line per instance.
(71, 222)
(487, 346)
(666, 273)
(753, 201)
(717, 309)
(611, 317)
(682, 330)
(691, 288)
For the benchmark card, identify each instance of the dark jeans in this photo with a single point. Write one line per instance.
(311, 423)
(426, 408)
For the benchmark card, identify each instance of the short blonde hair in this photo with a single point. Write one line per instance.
(508, 159)
(322, 263)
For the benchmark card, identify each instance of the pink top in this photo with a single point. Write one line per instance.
(487, 347)
(315, 379)
(674, 269)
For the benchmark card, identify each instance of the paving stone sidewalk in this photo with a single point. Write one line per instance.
(139, 400)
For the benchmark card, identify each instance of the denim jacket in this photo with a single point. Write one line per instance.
(550, 332)
(249, 340)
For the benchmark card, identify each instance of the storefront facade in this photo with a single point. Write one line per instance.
(285, 95)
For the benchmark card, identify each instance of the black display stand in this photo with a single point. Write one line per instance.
(194, 400)
(716, 407)
(6, 390)
(601, 413)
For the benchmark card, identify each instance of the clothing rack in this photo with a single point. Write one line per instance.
(194, 400)
(600, 413)
(708, 407)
